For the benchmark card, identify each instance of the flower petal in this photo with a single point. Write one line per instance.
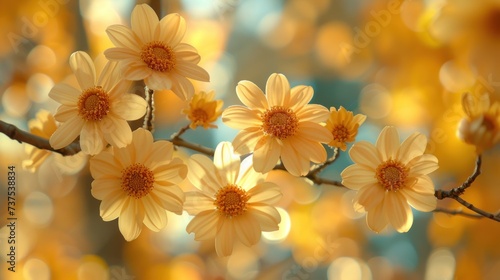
(278, 90)
(182, 87)
(376, 219)
(91, 138)
(248, 177)
(370, 196)
(421, 202)
(247, 229)
(265, 192)
(173, 172)
(309, 149)
(357, 176)
(130, 220)
(365, 154)
(197, 202)
(65, 94)
(224, 240)
(239, 117)
(424, 185)
(412, 147)
(266, 154)
(251, 95)
(192, 71)
(104, 188)
(155, 217)
(111, 207)
(312, 113)
(294, 162)
(186, 53)
(245, 141)
(116, 131)
(142, 140)
(136, 70)
(170, 197)
(267, 216)
(66, 133)
(65, 112)
(162, 151)
(158, 81)
(423, 164)
(227, 162)
(83, 68)
(397, 211)
(123, 37)
(105, 165)
(388, 143)
(203, 174)
(204, 225)
(300, 96)
(130, 107)
(314, 132)
(172, 29)
(144, 21)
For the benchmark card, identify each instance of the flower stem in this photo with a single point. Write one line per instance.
(149, 117)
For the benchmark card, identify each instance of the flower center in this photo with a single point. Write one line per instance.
(340, 133)
(158, 56)
(93, 104)
(392, 175)
(137, 180)
(231, 200)
(279, 122)
(199, 116)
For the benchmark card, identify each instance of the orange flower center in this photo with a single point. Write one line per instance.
(340, 133)
(392, 175)
(279, 122)
(158, 56)
(93, 104)
(231, 200)
(137, 180)
(199, 116)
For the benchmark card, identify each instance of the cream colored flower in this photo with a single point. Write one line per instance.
(234, 204)
(138, 183)
(98, 111)
(389, 177)
(44, 125)
(152, 50)
(279, 124)
(481, 126)
(203, 110)
(344, 127)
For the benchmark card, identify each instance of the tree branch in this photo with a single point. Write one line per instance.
(149, 117)
(21, 136)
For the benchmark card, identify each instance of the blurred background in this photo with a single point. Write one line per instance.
(401, 62)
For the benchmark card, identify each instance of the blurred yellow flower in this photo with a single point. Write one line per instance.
(389, 177)
(98, 111)
(279, 124)
(151, 50)
(138, 183)
(203, 110)
(234, 203)
(344, 126)
(44, 125)
(481, 126)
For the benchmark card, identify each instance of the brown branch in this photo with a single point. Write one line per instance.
(458, 212)
(149, 117)
(21, 136)
(177, 141)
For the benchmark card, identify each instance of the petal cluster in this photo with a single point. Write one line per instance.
(98, 110)
(389, 177)
(233, 203)
(151, 50)
(481, 126)
(279, 125)
(203, 110)
(344, 127)
(138, 183)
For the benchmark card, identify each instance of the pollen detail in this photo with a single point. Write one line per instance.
(158, 56)
(280, 122)
(137, 180)
(199, 116)
(392, 175)
(340, 133)
(93, 104)
(231, 201)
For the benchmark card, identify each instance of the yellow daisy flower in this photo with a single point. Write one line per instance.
(44, 125)
(389, 177)
(138, 183)
(279, 124)
(203, 110)
(98, 111)
(234, 204)
(152, 51)
(481, 126)
(344, 126)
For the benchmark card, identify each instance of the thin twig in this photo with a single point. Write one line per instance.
(455, 192)
(477, 210)
(458, 212)
(21, 136)
(180, 132)
(195, 147)
(318, 168)
(149, 117)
